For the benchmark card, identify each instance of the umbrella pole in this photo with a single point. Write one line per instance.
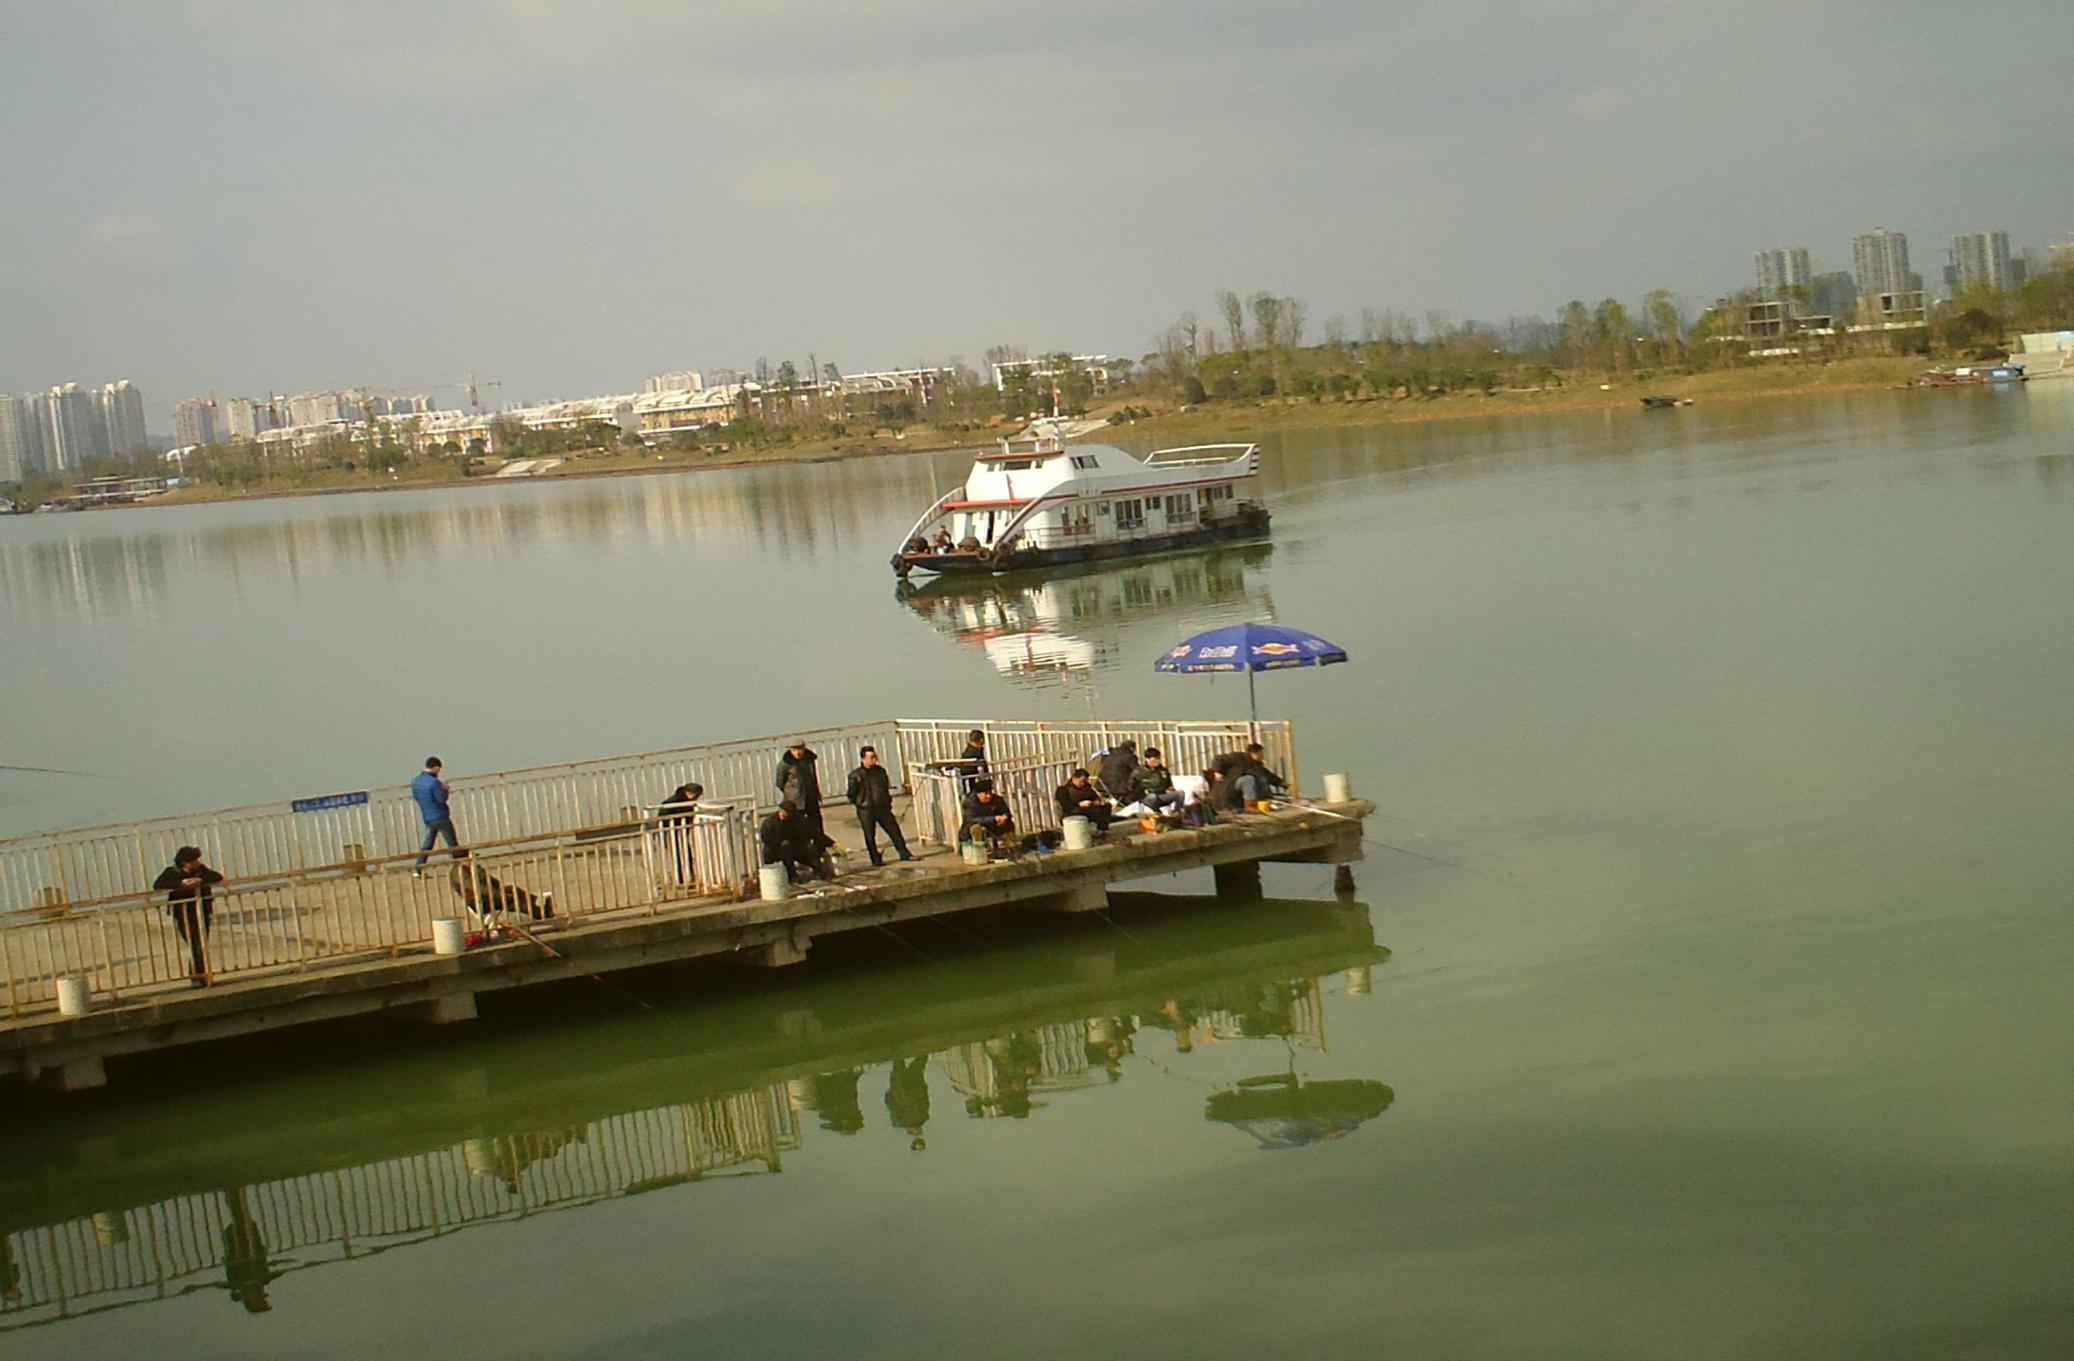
(1252, 704)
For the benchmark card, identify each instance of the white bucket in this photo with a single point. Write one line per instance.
(1338, 789)
(449, 935)
(776, 883)
(973, 852)
(1080, 833)
(73, 998)
(1358, 982)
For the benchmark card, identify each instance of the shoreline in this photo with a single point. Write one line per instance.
(1624, 393)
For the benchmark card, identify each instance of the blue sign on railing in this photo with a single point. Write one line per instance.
(322, 802)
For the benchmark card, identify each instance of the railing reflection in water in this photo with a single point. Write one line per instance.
(248, 1236)
(244, 1237)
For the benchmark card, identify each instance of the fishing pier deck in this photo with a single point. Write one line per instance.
(321, 917)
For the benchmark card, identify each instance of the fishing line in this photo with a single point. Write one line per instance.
(49, 770)
(552, 953)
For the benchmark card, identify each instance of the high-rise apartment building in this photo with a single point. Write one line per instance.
(20, 453)
(194, 421)
(1981, 260)
(78, 427)
(122, 409)
(245, 418)
(1880, 260)
(1781, 268)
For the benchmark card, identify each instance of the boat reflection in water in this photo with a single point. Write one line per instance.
(1043, 630)
(383, 1157)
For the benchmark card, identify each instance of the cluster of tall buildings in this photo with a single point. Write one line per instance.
(205, 420)
(1880, 267)
(59, 430)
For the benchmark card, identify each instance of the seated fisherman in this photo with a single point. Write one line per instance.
(1156, 783)
(788, 840)
(1077, 798)
(942, 542)
(1243, 777)
(1119, 772)
(986, 817)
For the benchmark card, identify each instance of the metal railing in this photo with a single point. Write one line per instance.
(306, 888)
(53, 869)
(1026, 786)
(135, 941)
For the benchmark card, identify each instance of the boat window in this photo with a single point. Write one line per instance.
(1084, 460)
(1130, 514)
(1015, 465)
(1102, 510)
(1181, 506)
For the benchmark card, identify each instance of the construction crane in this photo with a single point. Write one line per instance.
(473, 389)
(474, 397)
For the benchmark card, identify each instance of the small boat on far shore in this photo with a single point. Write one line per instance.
(1660, 402)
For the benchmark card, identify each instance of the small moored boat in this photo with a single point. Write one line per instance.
(1041, 502)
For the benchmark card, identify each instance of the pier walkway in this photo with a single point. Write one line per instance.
(321, 916)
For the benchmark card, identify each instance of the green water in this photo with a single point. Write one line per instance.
(1724, 757)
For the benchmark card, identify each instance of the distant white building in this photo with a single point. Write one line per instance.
(194, 421)
(685, 380)
(1037, 367)
(122, 408)
(673, 412)
(1781, 268)
(1982, 259)
(1880, 260)
(78, 427)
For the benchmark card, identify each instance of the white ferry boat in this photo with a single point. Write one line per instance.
(1041, 503)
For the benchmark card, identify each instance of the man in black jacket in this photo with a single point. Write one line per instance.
(799, 779)
(986, 817)
(1119, 772)
(1079, 799)
(187, 884)
(1243, 777)
(787, 840)
(871, 794)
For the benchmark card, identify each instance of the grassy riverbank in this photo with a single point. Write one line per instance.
(1214, 418)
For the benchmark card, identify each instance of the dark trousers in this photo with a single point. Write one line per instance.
(875, 820)
(194, 933)
(433, 832)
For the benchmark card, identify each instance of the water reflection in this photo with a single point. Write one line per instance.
(1045, 632)
(1219, 983)
(113, 563)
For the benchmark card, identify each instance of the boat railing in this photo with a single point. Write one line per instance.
(933, 514)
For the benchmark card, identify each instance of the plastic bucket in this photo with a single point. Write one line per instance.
(1080, 833)
(776, 885)
(1338, 789)
(449, 935)
(973, 852)
(73, 997)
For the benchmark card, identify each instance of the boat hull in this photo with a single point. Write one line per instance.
(1248, 523)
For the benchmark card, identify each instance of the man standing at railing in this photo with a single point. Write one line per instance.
(871, 794)
(432, 793)
(187, 884)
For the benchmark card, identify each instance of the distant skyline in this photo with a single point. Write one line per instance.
(234, 196)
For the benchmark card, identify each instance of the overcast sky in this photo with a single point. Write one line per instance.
(243, 195)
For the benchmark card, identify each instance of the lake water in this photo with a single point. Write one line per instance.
(1707, 995)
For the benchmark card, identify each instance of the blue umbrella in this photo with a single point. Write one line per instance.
(1250, 648)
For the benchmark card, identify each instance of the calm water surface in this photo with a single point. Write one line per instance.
(1708, 994)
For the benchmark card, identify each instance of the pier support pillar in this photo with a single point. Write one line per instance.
(450, 1009)
(79, 1075)
(1343, 882)
(1239, 880)
(776, 955)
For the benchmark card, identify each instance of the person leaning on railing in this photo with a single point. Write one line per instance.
(674, 817)
(187, 883)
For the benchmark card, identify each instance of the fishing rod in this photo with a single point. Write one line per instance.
(552, 953)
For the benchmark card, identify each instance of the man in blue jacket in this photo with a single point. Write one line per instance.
(432, 793)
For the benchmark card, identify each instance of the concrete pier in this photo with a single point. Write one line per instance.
(442, 989)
